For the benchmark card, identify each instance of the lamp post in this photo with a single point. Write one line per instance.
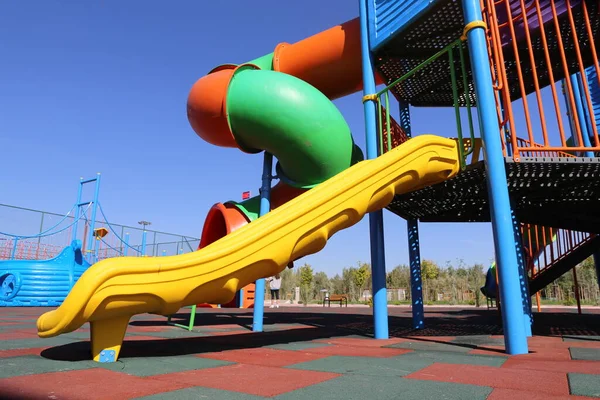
(144, 224)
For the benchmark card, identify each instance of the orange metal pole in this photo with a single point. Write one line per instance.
(566, 73)
(536, 83)
(588, 27)
(503, 86)
(519, 72)
(550, 74)
(581, 69)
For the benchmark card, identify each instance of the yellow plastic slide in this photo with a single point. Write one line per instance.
(110, 292)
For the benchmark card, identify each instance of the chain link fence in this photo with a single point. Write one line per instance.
(27, 234)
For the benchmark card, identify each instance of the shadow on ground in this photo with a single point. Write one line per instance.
(284, 326)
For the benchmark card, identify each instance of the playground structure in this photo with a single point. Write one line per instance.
(537, 182)
(40, 269)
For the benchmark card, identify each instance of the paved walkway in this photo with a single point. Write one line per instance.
(306, 353)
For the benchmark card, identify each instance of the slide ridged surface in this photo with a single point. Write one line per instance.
(122, 287)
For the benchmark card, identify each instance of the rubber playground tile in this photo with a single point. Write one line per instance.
(16, 334)
(33, 342)
(196, 393)
(209, 330)
(535, 353)
(479, 340)
(488, 352)
(250, 379)
(554, 383)
(229, 333)
(356, 351)
(585, 385)
(361, 342)
(223, 326)
(146, 329)
(578, 353)
(32, 364)
(509, 394)
(168, 334)
(13, 326)
(263, 356)
(579, 338)
(21, 352)
(584, 344)
(384, 388)
(95, 383)
(148, 366)
(431, 345)
(584, 367)
(547, 354)
(297, 345)
(452, 358)
(394, 366)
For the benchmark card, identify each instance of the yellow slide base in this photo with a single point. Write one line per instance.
(107, 337)
(113, 290)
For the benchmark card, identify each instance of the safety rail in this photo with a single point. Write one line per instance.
(26, 250)
(535, 45)
(459, 77)
(546, 246)
(526, 145)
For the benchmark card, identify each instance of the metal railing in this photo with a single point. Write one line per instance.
(458, 75)
(53, 234)
(534, 49)
(547, 246)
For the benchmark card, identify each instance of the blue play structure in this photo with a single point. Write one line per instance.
(46, 283)
(34, 282)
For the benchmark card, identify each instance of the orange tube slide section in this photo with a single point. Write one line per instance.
(329, 61)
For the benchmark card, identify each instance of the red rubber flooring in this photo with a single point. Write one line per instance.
(307, 353)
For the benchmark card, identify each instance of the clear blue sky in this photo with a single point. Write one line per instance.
(101, 86)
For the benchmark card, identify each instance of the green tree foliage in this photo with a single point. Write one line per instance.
(306, 280)
(360, 276)
(455, 283)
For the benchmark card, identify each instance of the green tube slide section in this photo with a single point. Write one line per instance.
(289, 118)
(265, 62)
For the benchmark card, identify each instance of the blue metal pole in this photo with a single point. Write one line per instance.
(523, 278)
(515, 339)
(241, 298)
(265, 207)
(93, 219)
(126, 249)
(414, 250)
(581, 106)
(380, 312)
(143, 243)
(77, 210)
(416, 283)
(14, 250)
(586, 130)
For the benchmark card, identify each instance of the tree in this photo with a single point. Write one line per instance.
(337, 284)
(360, 276)
(429, 272)
(348, 283)
(321, 282)
(306, 279)
(288, 282)
(399, 277)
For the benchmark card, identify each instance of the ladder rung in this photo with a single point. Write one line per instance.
(84, 203)
(89, 180)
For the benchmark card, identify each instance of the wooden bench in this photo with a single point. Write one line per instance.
(341, 298)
